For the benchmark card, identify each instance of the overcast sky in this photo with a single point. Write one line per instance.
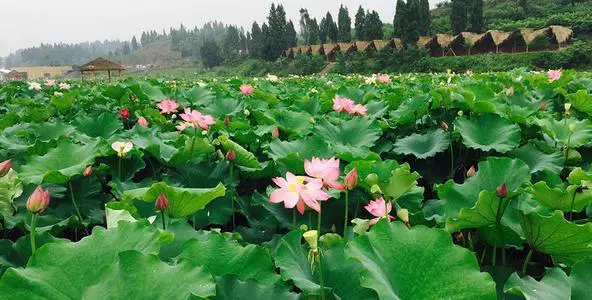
(25, 23)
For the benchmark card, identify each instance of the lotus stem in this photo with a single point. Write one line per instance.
(526, 261)
(319, 220)
(163, 221)
(76, 205)
(293, 219)
(231, 195)
(573, 199)
(321, 280)
(357, 207)
(483, 255)
(194, 223)
(193, 141)
(451, 161)
(32, 234)
(346, 212)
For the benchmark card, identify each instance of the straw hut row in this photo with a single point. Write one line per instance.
(465, 43)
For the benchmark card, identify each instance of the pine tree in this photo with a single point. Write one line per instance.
(359, 23)
(331, 29)
(476, 16)
(323, 30)
(399, 22)
(373, 26)
(458, 16)
(277, 40)
(257, 40)
(424, 17)
(291, 35)
(125, 49)
(411, 26)
(344, 25)
(210, 53)
(231, 42)
(135, 45)
(314, 30)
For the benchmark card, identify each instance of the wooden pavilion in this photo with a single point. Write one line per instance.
(101, 65)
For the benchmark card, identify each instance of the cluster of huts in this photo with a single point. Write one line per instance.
(465, 43)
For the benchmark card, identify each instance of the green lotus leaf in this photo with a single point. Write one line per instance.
(581, 280)
(411, 109)
(491, 173)
(293, 153)
(538, 160)
(56, 167)
(10, 188)
(182, 201)
(224, 107)
(103, 125)
(423, 263)
(555, 285)
(484, 215)
(244, 158)
(423, 145)
(138, 276)
(559, 131)
(155, 142)
(567, 200)
(401, 182)
(581, 101)
(356, 135)
(193, 149)
(341, 278)
(295, 123)
(567, 242)
(231, 288)
(66, 270)
(489, 132)
(65, 101)
(222, 256)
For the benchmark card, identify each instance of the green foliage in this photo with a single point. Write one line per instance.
(458, 16)
(344, 25)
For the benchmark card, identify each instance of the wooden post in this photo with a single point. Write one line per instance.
(109, 75)
(94, 75)
(82, 75)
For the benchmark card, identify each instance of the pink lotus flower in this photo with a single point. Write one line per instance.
(64, 86)
(49, 83)
(384, 78)
(340, 104)
(471, 172)
(351, 179)
(162, 202)
(554, 75)
(299, 192)
(88, 171)
(38, 201)
(358, 109)
(326, 170)
(143, 122)
(247, 89)
(380, 209)
(168, 106)
(195, 119)
(275, 132)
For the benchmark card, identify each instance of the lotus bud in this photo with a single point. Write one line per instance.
(502, 190)
(460, 113)
(38, 201)
(124, 112)
(403, 214)
(371, 179)
(444, 125)
(246, 112)
(572, 127)
(510, 92)
(142, 122)
(567, 106)
(375, 189)
(543, 106)
(227, 121)
(311, 237)
(351, 179)
(5, 167)
(471, 172)
(162, 202)
(88, 171)
(230, 155)
(275, 133)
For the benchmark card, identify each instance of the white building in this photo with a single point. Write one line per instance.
(3, 73)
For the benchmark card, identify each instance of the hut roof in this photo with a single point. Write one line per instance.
(562, 34)
(363, 45)
(398, 44)
(470, 37)
(101, 64)
(345, 47)
(499, 37)
(296, 50)
(443, 40)
(423, 41)
(380, 44)
(316, 48)
(328, 48)
(529, 34)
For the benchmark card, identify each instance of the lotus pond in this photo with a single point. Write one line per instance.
(442, 186)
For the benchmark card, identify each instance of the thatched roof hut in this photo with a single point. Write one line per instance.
(329, 50)
(443, 40)
(529, 34)
(560, 33)
(296, 50)
(100, 65)
(346, 47)
(398, 44)
(364, 45)
(381, 44)
(423, 41)
(440, 44)
(316, 49)
(306, 50)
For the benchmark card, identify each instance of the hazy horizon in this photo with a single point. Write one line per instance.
(69, 21)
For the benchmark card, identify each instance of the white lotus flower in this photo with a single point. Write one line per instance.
(272, 78)
(35, 86)
(122, 148)
(64, 86)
